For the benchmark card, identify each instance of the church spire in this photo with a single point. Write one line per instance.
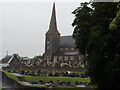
(53, 23)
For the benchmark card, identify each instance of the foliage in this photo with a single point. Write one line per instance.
(115, 24)
(37, 57)
(83, 19)
(96, 42)
(114, 65)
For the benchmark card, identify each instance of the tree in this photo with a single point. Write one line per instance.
(37, 57)
(82, 24)
(115, 24)
(114, 65)
(97, 43)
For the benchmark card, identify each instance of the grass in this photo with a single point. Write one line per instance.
(44, 78)
(59, 71)
(54, 79)
(12, 76)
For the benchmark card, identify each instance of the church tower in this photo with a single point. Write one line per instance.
(52, 37)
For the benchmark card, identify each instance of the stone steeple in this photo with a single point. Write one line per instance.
(52, 38)
(53, 22)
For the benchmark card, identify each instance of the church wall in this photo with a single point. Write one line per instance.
(52, 44)
(67, 49)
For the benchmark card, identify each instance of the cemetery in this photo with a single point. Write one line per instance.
(49, 79)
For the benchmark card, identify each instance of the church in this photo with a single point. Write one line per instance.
(59, 48)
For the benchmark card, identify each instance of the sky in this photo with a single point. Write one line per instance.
(23, 24)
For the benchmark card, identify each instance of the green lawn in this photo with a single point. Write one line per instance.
(66, 79)
(38, 78)
(12, 76)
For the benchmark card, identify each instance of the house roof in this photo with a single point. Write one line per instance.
(67, 41)
(6, 58)
(9, 58)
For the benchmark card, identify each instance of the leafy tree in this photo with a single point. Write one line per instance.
(95, 41)
(115, 24)
(37, 57)
(114, 66)
(82, 24)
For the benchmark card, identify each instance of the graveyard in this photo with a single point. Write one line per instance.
(50, 79)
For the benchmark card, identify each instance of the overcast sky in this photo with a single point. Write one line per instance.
(24, 25)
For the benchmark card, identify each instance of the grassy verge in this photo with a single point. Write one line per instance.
(10, 75)
(14, 77)
(54, 79)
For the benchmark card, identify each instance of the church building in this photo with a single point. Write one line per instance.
(59, 48)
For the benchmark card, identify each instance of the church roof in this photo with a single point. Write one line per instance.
(53, 23)
(67, 41)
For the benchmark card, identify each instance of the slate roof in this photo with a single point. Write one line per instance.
(9, 58)
(6, 58)
(67, 41)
